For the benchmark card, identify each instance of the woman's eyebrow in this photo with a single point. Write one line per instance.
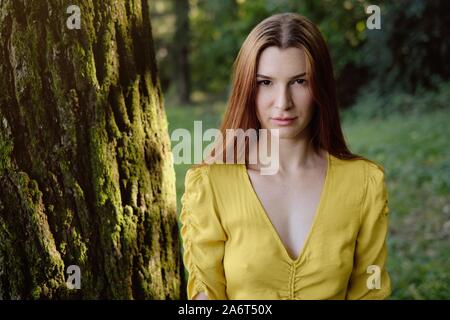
(267, 77)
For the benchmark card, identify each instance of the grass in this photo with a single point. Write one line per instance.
(415, 152)
(184, 117)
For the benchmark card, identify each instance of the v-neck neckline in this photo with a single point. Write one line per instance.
(317, 213)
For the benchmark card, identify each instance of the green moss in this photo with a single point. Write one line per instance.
(105, 172)
(129, 229)
(36, 292)
(62, 248)
(6, 146)
(80, 248)
(44, 263)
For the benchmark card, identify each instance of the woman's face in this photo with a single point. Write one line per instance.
(283, 91)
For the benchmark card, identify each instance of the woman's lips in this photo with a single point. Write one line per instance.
(283, 121)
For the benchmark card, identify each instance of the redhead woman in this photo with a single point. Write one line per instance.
(316, 229)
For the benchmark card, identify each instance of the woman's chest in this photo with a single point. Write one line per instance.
(285, 222)
(258, 257)
(291, 206)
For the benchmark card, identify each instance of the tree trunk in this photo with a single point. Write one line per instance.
(86, 172)
(181, 41)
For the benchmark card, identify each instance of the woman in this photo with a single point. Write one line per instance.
(314, 230)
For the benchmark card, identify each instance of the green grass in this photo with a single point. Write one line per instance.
(414, 151)
(184, 117)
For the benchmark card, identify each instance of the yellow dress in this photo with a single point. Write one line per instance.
(232, 251)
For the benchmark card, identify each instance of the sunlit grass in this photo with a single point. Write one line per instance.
(184, 117)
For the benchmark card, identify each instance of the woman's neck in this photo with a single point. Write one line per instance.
(294, 155)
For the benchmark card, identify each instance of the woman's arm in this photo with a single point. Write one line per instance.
(203, 238)
(371, 247)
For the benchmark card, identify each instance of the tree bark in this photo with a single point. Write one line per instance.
(86, 172)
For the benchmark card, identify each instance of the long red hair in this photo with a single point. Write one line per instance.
(284, 31)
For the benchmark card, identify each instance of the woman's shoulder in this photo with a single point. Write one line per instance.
(215, 171)
(217, 176)
(359, 179)
(358, 176)
(361, 166)
(216, 184)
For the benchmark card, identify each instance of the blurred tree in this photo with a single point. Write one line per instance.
(220, 27)
(171, 30)
(181, 52)
(412, 48)
(343, 25)
(409, 51)
(163, 26)
(86, 172)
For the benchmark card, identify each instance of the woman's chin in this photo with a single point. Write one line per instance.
(285, 132)
(288, 132)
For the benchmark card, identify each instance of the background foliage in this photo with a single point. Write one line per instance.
(394, 92)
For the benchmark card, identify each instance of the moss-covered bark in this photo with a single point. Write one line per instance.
(86, 173)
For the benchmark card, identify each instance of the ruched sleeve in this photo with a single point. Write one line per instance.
(203, 237)
(369, 278)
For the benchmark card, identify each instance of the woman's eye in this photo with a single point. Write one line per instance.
(300, 81)
(264, 82)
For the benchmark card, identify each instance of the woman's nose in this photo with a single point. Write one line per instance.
(283, 100)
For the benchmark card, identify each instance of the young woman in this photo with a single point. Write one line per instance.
(316, 229)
